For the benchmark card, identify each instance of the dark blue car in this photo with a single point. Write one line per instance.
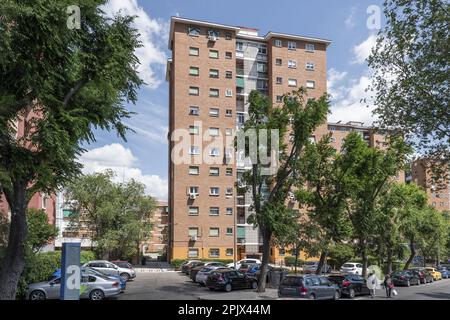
(444, 272)
(123, 283)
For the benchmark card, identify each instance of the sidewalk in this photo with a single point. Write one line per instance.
(270, 294)
(154, 266)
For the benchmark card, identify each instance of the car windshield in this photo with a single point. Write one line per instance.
(310, 263)
(348, 265)
(336, 279)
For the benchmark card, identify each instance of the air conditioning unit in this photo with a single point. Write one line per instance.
(193, 238)
(212, 37)
(192, 196)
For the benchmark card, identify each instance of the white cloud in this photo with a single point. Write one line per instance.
(350, 21)
(335, 87)
(122, 161)
(153, 34)
(362, 51)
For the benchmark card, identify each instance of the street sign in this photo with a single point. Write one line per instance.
(70, 271)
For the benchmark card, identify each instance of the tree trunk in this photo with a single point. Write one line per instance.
(14, 259)
(389, 261)
(411, 256)
(364, 257)
(265, 261)
(323, 256)
(296, 259)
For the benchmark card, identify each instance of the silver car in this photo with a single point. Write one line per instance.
(111, 269)
(93, 287)
(203, 274)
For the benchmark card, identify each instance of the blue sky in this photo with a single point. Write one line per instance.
(144, 155)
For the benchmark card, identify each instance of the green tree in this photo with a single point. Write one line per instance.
(325, 195)
(370, 171)
(61, 84)
(117, 216)
(413, 49)
(40, 232)
(298, 117)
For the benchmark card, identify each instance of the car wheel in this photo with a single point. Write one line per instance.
(125, 276)
(351, 293)
(96, 295)
(254, 285)
(37, 295)
(312, 296)
(228, 287)
(336, 295)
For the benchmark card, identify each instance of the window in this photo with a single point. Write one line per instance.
(193, 111)
(292, 82)
(193, 91)
(279, 99)
(309, 66)
(214, 93)
(44, 201)
(214, 253)
(214, 152)
(228, 74)
(193, 253)
(228, 36)
(213, 73)
(213, 33)
(213, 232)
(214, 54)
(281, 252)
(228, 93)
(229, 191)
(214, 211)
(193, 232)
(229, 252)
(229, 171)
(194, 170)
(214, 191)
(214, 132)
(228, 132)
(310, 84)
(194, 150)
(292, 45)
(310, 47)
(193, 51)
(278, 43)
(194, 31)
(292, 64)
(261, 67)
(194, 130)
(229, 211)
(229, 231)
(279, 80)
(240, 118)
(262, 48)
(278, 62)
(214, 171)
(261, 84)
(193, 71)
(228, 55)
(213, 112)
(239, 46)
(193, 211)
(193, 190)
(228, 113)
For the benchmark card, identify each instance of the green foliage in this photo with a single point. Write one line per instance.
(176, 263)
(86, 256)
(412, 49)
(116, 215)
(290, 261)
(40, 232)
(339, 253)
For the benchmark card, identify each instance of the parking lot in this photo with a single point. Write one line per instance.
(177, 286)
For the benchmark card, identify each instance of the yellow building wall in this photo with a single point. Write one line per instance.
(203, 253)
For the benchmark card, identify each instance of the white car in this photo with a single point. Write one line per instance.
(243, 261)
(203, 274)
(111, 269)
(352, 268)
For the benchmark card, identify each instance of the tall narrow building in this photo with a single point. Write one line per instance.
(212, 70)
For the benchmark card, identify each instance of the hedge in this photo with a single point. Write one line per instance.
(177, 262)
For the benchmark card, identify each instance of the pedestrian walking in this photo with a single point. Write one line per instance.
(388, 285)
(372, 284)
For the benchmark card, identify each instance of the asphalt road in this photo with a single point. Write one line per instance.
(177, 286)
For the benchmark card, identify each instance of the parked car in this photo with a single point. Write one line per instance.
(111, 269)
(87, 270)
(246, 261)
(405, 278)
(203, 274)
(427, 275)
(311, 267)
(308, 287)
(435, 273)
(444, 272)
(123, 264)
(193, 272)
(352, 268)
(351, 285)
(97, 288)
(229, 280)
(186, 268)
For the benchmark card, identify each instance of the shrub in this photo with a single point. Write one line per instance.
(290, 261)
(86, 256)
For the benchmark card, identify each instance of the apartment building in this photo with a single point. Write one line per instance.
(156, 245)
(437, 189)
(212, 70)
